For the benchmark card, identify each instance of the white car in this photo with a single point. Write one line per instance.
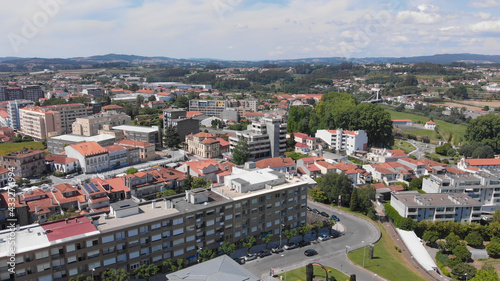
(323, 237)
(250, 257)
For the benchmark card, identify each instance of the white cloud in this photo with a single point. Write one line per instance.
(399, 39)
(483, 15)
(485, 3)
(420, 17)
(486, 26)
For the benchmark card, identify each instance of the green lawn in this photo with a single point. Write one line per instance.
(403, 145)
(300, 274)
(6, 148)
(387, 261)
(429, 133)
(295, 156)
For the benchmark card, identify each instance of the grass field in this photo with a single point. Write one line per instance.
(387, 261)
(403, 145)
(300, 274)
(6, 148)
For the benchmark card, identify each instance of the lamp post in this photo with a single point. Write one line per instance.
(364, 253)
(466, 277)
(93, 269)
(198, 254)
(281, 230)
(285, 264)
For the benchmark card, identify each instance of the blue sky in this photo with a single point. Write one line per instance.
(249, 30)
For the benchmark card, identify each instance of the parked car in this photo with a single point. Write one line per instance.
(290, 246)
(315, 211)
(334, 217)
(324, 214)
(250, 257)
(264, 253)
(277, 249)
(323, 237)
(309, 208)
(310, 252)
(240, 260)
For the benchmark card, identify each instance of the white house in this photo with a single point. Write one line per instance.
(93, 158)
(430, 125)
(343, 140)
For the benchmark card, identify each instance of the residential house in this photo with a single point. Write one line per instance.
(62, 164)
(96, 197)
(203, 144)
(307, 166)
(208, 169)
(93, 158)
(343, 140)
(430, 125)
(146, 150)
(305, 139)
(27, 163)
(280, 164)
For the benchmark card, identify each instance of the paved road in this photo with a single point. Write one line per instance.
(421, 149)
(358, 233)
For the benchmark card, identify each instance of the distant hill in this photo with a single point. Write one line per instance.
(134, 59)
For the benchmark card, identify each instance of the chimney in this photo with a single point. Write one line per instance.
(51, 201)
(153, 204)
(76, 219)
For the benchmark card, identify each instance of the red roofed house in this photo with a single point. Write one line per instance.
(430, 125)
(156, 104)
(203, 144)
(4, 177)
(71, 227)
(307, 166)
(280, 164)
(115, 187)
(402, 122)
(146, 150)
(68, 196)
(96, 197)
(467, 164)
(150, 182)
(93, 157)
(63, 164)
(305, 139)
(6, 134)
(162, 96)
(207, 169)
(120, 155)
(114, 107)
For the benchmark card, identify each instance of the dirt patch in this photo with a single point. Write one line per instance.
(483, 103)
(459, 105)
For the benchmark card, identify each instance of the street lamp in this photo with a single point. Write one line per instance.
(466, 277)
(285, 265)
(93, 269)
(198, 253)
(364, 253)
(281, 230)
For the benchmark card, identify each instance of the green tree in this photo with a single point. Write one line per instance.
(493, 248)
(227, 248)
(290, 233)
(415, 183)
(337, 185)
(317, 195)
(486, 273)
(165, 193)
(484, 151)
(182, 102)
(464, 271)
(206, 254)
(354, 205)
(485, 129)
(241, 152)
(131, 170)
(171, 138)
(249, 242)
(462, 253)
(474, 239)
(290, 143)
(452, 240)
(199, 182)
(303, 230)
(266, 238)
(152, 98)
(430, 236)
(139, 100)
(114, 274)
(145, 272)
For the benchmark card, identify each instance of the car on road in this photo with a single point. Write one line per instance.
(277, 250)
(324, 214)
(290, 246)
(315, 211)
(264, 253)
(240, 260)
(250, 257)
(309, 208)
(335, 218)
(310, 252)
(323, 237)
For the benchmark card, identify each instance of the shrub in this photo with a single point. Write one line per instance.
(474, 239)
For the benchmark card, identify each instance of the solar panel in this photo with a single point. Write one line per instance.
(94, 188)
(87, 188)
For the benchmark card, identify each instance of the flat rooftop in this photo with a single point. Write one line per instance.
(436, 199)
(233, 194)
(135, 128)
(214, 199)
(78, 138)
(28, 238)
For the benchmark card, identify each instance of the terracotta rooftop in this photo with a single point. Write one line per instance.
(130, 142)
(483, 162)
(114, 148)
(88, 148)
(275, 162)
(72, 227)
(59, 159)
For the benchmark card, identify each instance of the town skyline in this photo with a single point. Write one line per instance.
(240, 30)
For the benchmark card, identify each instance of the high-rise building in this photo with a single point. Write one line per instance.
(13, 109)
(33, 93)
(39, 123)
(343, 140)
(131, 234)
(265, 138)
(69, 113)
(90, 125)
(14, 93)
(178, 119)
(208, 107)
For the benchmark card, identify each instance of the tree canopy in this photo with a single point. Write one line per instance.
(335, 185)
(485, 129)
(241, 152)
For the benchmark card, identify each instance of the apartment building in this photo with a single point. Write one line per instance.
(93, 158)
(14, 93)
(265, 138)
(32, 92)
(178, 118)
(27, 162)
(90, 125)
(69, 113)
(208, 107)
(96, 92)
(120, 156)
(139, 133)
(343, 140)
(13, 108)
(39, 123)
(133, 234)
(457, 207)
(56, 145)
(483, 186)
(3, 93)
(146, 149)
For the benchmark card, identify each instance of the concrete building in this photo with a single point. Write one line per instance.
(96, 92)
(27, 162)
(63, 164)
(146, 150)
(93, 158)
(279, 164)
(437, 206)
(90, 125)
(178, 118)
(69, 113)
(342, 140)
(150, 232)
(203, 144)
(33, 93)
(39, 123)
(139, 133)
(56, 145)
(209, 107)
(3, 93)
(266, 138)
(14, 93)
(430, 125)
(13, 108)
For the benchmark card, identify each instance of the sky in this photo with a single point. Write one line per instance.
(249, 29)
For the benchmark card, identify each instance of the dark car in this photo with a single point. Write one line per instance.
(334, 217)
(315, 211)
(310, 252)
(324, 214)
(309, 208)
(240, 260)
(290, 246)
(264, 253)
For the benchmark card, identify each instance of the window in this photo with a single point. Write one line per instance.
(190, 238)
(230, 216)
(70, 248)
(144, 229)
(277, 204)
(42, 254)
(91, 243)
(144, 240)
(156, 248)
(156, 237)
(72, 259)
(254, 201)
(43, 267)
(109, 261)
(120, 235)
(178, 231)
(134, 266)
(122, 258)
(144, 251)
(178, 221)
(254, 229)
(92, 254)
(108, 238)
(237, 234)
(166, 233)
(190, 248)
(73, 271)
(157, 258)
(133, 255)
(178, 241)
(178, 252)
(210, 222)
(210, 232)
(132, 232)
(155, 226)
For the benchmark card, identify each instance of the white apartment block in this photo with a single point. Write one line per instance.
(69, 113)
(150, 232)
(457, 207)
(39, 123)
(265, 138)
(483, 186)
(343, 140)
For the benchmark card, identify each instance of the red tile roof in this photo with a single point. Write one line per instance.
(275, 162)
(112, 106)
(302, 136)
(130, 142)
(114, 148)
(73, 227)
(483, 162)
(430, 123)
(190, 114)
(60, 159)
(88, 148)
(398, 153)
(401, 120)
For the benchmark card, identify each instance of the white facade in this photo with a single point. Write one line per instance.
(342, 140)
(91, 163)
